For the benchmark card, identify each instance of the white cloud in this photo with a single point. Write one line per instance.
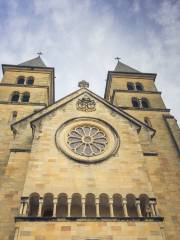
(81, 38)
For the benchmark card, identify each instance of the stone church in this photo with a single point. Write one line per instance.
(86, 167)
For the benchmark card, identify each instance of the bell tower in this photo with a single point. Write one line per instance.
(136, 93)
(25, 89)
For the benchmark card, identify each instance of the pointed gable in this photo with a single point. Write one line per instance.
(36, 116)
(35, 62)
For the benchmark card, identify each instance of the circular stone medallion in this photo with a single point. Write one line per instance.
(87, 140)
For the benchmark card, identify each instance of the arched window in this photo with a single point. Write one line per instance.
(130, 86)
(30, 81)
(117, 205)
(145, 103)
(135, 103)
(131, 205)
(104, 205)
(15, 97)
(144, 204)
(33, 205)
(147, 121)
(139, 87)
(76, 206)
(62, 205)
(20, 80)
(25, 97)
(47, 208)
(90, 206)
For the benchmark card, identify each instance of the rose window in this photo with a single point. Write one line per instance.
(87, 141)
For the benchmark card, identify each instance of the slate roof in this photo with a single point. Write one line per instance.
(121, 67)
(35, 62)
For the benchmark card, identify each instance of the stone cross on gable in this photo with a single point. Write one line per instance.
(117, 58)
(83, 84)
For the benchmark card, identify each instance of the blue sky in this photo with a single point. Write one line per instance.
(80, 38)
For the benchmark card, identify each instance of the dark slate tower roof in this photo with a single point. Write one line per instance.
(35, 62)
(121, 67)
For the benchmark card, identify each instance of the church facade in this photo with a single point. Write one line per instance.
(86, 167)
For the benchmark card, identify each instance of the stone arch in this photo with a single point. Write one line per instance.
(90, 205)
(135, 102)
(131, 205)
(15, 96)
(62, 205)
(76, 205)
(47, 207)
(104, 209)
(20, 80)
(139, 86)
(144, 204)
(25, 97)
(117, 205)
(33, 204)
(30, 80)
(145, 103)
(130, 86)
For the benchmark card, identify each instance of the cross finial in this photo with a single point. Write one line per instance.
(83, 84)
(117, 58)
(39, 53)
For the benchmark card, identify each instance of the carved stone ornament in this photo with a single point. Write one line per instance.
(86, 104)
(87, 140)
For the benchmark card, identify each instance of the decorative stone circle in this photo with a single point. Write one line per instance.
(87, 140)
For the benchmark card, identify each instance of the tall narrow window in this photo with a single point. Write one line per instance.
(147, 121)
(25, 97)
(15, 97)
(30, 81)
(20, 80)
(139, 87)
(130, 86)
(14, 115)
(145, 103)
(135, 103)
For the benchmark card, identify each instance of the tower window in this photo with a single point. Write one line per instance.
(130, 86)
(145, 103)
(135, 103)
(25, 97)
(15, 97)
(20, 80)
(139, 87)
(30, 81)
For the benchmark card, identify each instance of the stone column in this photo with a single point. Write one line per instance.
(151, 203)
(111, 208)
(24, 213)
(138, 208)
(97, 207)
(83, 208)
(124, 202)
(21, 208)
(69, 207)
(54, 206)
(40, 208)
(156, 210)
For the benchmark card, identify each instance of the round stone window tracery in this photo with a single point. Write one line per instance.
(87, 140)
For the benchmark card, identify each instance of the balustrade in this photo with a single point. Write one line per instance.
(144, 208)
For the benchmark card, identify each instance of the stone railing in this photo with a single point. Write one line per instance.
(89, 206)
